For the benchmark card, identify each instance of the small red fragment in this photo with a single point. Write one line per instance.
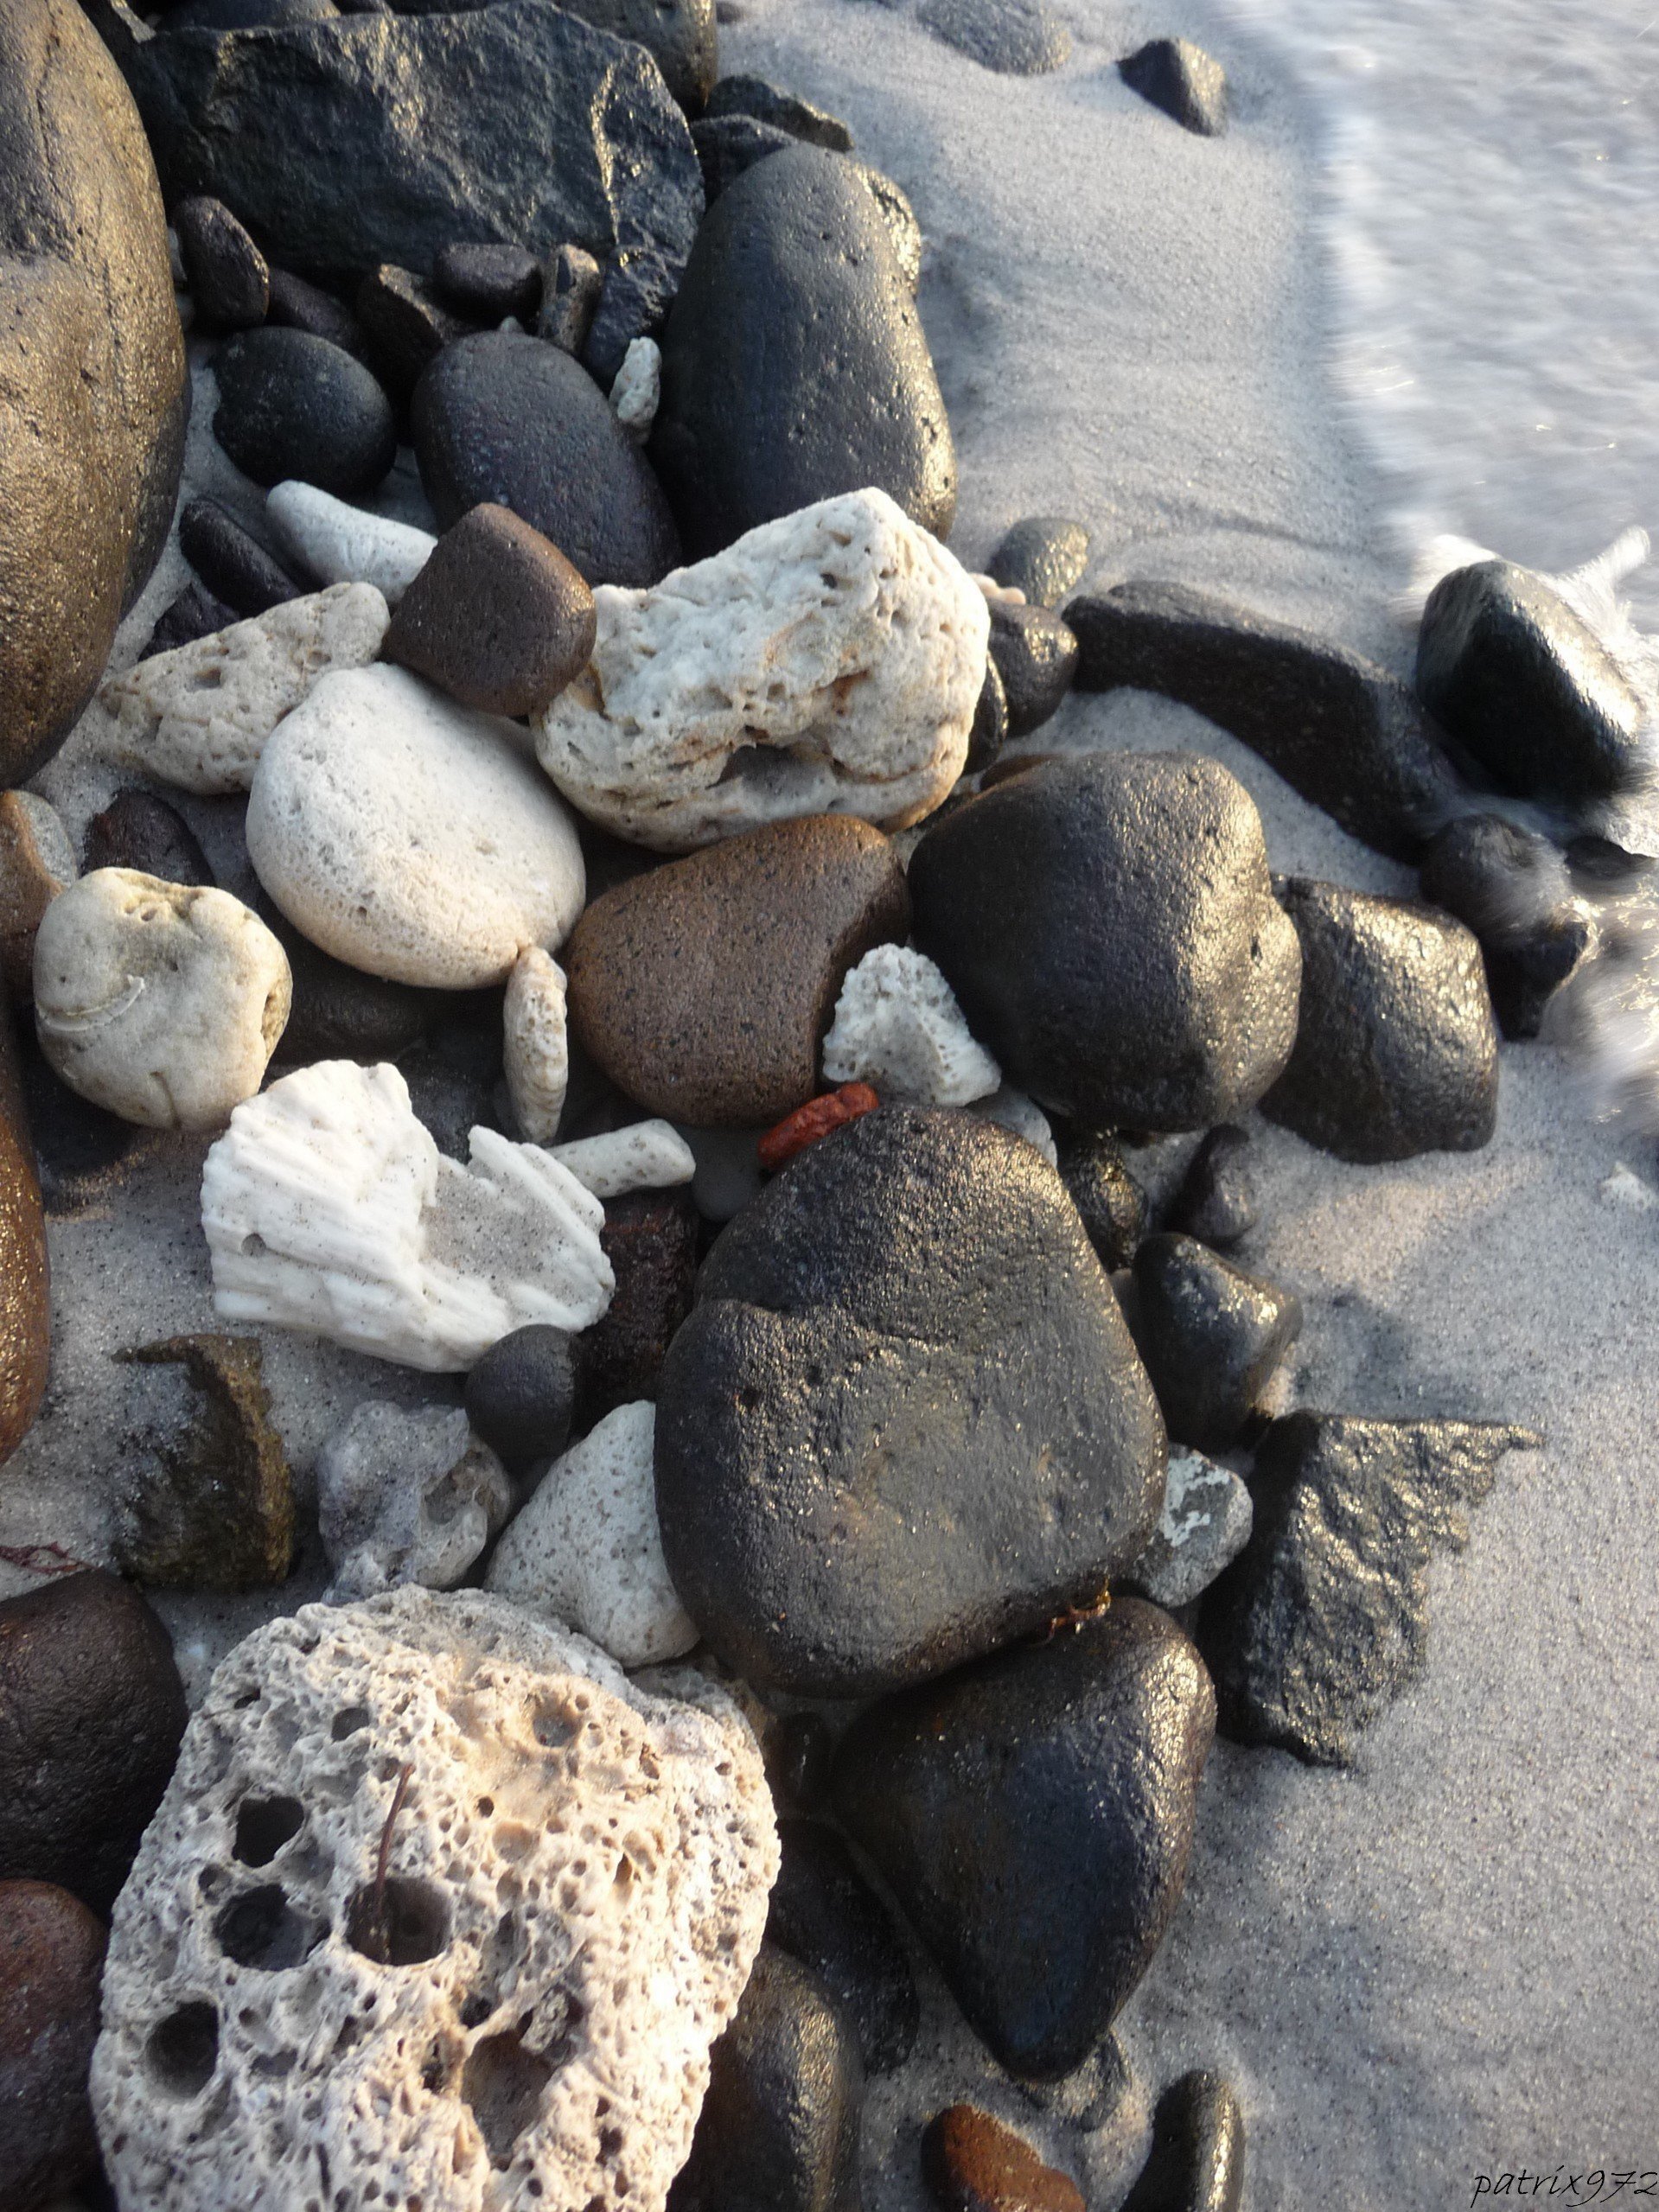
(815, 1120)
(42, 1559)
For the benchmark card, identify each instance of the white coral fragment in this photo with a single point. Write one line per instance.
(646, 1155)
(898, 1027)
(536, 1052)
(326, 1206)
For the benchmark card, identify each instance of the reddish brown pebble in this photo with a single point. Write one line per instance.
(972, 2163)
(51, 1956)
(25, 1306)
(815, 1120)
(498, 617)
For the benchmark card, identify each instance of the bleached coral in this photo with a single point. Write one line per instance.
(646, 1156)
(898, 1027)
(536, 1050)
(407, 1496)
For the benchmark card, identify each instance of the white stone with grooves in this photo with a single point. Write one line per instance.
(646, 1156)
(159, 1002)
(326, 1206)
(829, 662)
(200, 716)
(407, 1496)
(536, 1050)
(342, 544)
(411, 837)
(578, 1874)
(898, 1026)
(587, 1549)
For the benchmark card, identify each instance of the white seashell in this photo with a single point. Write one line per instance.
(898, 1027)
(648, 1156)
(536, 1047)
(342, 544)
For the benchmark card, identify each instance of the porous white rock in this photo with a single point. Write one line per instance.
(1012, 1109)
(898, 1026)
(586, 1549)
(518, 2018)
(637, 388)
(407, 1496)
(326, 1206)
(1204, 1526)
(410, 836)
(646, 1156)
(201, 716)
(161, 1002)
(342, 544)
(829, 662)
(536, 1051)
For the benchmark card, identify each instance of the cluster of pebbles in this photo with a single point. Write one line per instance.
(659, 981)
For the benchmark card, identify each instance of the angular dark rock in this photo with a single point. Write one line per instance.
(1018, 38)
(297, 305)
(1527, 687)
(824, 1913)
(1044, 555)
(1322, 1620)
(245, 15)
(972, 2163)
(291, 406)
(25, 1290)
(229, 280)
(1183, 79)
(92, 1710)
(1037, 657)
(1032, 1815)
(1344, 733)
(1211, 1337)
(195, 613)
(1511, 887)
(781, 110)
(904, 1422)
(650, 1239)
(1108, 926)
(232, 563)
(679, 35)
(635, 292)
(139, 830)
(794, 361)
(1196, 2161)
(93, 394)
(1396, 1049)
(728, 145)
(1216, 1201)
(1107, 1196)
(489, 282)
(51, 1961)
(406, 323)
(515, 421)
(990, 731)
(520, 1396)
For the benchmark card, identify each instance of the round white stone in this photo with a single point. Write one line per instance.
(411, 837)
(340, 543)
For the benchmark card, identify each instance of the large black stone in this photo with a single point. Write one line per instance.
(679, 35)
(1342, 731)
(1211, 1337)
(1322, 1620)
(294, 406)
(513, 420)
(905, 1421)
(232, 563)
(1396, 1051)
(1033, 1816)
(94, 396)
(824, 1913)
(794, 361)
(1109, 927)
(383, 137)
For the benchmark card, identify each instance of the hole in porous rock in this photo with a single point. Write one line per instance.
(348, 1722)
(554, 1724)
(477, 2011)
(397, 1924)
(183, 2050)
(503, 2082)
(260, 1929)
(263, 1825)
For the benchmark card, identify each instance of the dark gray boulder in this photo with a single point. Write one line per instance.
(1339, 729)
(294, 406)
(1211, 1337)
(905, 1421)
(1109, 927)
(794, 365)
(94, 396)
(1322, 1620)
(1216, 1200)
(1511, 887)
(824, 1913)
(1042, 556)
(1033, 1816)
(769, 103)
(679, 35)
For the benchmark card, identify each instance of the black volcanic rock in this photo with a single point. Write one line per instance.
(1217, 1201)
(1106, 1195)
(292, 406)
(139, 830)
(1042, 556)
(904, 1421)
(1511, 887)
(232, 562)
(824, 1913)
(229, 280)
(1196, 2161)
(1037, 657)
(679, 35)
(1033, 1816)
(1211, 1336)
(766, 103)
(1183, 79)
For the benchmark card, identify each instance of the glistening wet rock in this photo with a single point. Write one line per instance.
(1183, 79)
(1033, 1816)
(904, 1421)
(1216, 1200)
(232, 561)
(786, 112)
(1512, 887)
(824, 1913)
(51, 1955)
(1106, 1195)
(25, 1301)
(1211, 1337)
(1197, 2162)
(1037, 657)
(679, 35)
(1044, 555)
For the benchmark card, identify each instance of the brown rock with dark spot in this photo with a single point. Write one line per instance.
(704, 989)
(972, 2163)
(25, 1302)
(650, 1240)
(51, 1957)
(498, 617)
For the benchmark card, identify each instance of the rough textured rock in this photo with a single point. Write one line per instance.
(489, 282)
(1044, 555)
(229, 282)
(1183, 79)
(829, 662)
(1108, 927)
(778, 2131)
(1033, 1816)
(198, 717)
(139, 830)
(1204, 1526)
(1211, 1336)
(339, 543)
(1216, 1200)
(1016, 38)
(1527, 686)
(1512, 887)
(92, 1710)
(519, 1394)
(410, 836)
(1322, 1621)
(794, 362)
(291, 405)
(972, 2163)
(904, 1355)
(405, 324)
(679, 35)
(1036, 655)
(703, 989)
(94, 396)
(406, 1497)
(36, 861)
(898, 1029)
(380, 137)
(535, 1045)
(651, 1242)
(497, 617)
(824, 1913)
(1396, 1050)
(204, 1496)
(768, 104)
(232, 561)
(51, 1956)
(1107, 1196)
(511, 420)
(557, 1842)
(159, 1002)
(1197, 2162)
(1340, 730)
(326, 1206)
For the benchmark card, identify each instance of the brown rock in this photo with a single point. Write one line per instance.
(25, 1302)
(498, 617)
(51, 1957)
(650, 1240)
(703, 989)
(32, 873)
(972, 2163)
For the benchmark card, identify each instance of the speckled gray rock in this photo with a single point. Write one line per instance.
(291, 405)
(1211, 1337)
(786, 112)
(1109, 1200)
(1204, 1526)
(1183, 79)
(1018, 38)
(1044, 555)
(1322, 1621)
